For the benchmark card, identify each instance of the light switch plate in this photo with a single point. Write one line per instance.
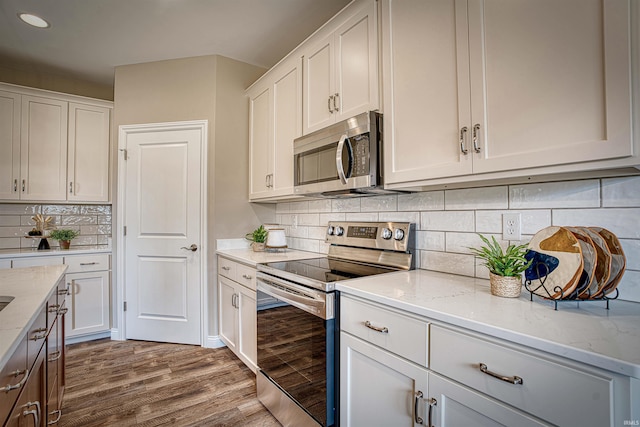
(511, 226)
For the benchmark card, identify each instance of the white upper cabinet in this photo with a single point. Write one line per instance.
(275, 117)
(53, 148)
(43, 149)
(10, 107)
(340, 65)
(88, 155)
(517, 88)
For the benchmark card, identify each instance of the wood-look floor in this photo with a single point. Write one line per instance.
(139, 383)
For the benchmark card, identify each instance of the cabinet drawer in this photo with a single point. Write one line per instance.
(227, 268)
(11, 375)
(400, 334)
(81, 263)
(246, 276)
(562, 394)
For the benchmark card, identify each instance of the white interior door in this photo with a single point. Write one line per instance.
(163, 219)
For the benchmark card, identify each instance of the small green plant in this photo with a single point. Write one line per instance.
(64, 234)
(259, 235)
(510, 263)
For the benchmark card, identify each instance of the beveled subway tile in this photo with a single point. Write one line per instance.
(447, 221)
(477, 198)
(566, 194)
(629, 286)
(104, 229)
(61, 210)
(10, 220)
(631, 250)
(19, 209)
(318, 206)
(362, 216)
(88, 229)
(379, 203)
(412, 217)
(334, 216)
(448, 262)
(10, 242)
(95, 209)
(427, 201)
(345, 205)
(621, 221)
(104, 219)
(103, 239)
(78, 220)
(430, 240)
(621, 192)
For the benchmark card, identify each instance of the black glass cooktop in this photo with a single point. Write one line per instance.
(322, 270)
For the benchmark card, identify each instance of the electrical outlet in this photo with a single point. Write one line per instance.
(511, 226)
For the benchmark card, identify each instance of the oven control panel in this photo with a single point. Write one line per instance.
(396, 236)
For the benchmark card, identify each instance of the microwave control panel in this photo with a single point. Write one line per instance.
(360, 148)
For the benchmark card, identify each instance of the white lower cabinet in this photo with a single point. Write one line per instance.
(237, 309)
(88, 283)
(378, 388)
(468, 379)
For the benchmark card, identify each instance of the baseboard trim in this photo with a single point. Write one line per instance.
(213, 341)
(116, 335)
(88, 337)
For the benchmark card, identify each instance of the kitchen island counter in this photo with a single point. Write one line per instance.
(30, 287)
(585, 332)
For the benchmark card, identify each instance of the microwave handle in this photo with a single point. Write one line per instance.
(341, 173)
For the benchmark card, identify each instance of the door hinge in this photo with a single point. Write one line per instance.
(124, 230)
(125, 306)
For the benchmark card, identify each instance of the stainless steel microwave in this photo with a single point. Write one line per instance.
(341, 160)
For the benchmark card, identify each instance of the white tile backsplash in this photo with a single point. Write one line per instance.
(621, 192)
(447, 220)
(477, 198)
(566, 194)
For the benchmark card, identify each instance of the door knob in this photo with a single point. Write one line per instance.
(191, 248)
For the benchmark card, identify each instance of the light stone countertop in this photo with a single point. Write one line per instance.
(591, 334)
(248, 256)
(30, 287)
(78, 250)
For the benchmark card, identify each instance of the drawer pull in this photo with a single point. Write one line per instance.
(53, 308)
(37, 337)
(10, 387)
(56, 355)
(225, 268)
(89, 263)
(63, 311)
(511, 380)
(418, 398)
(382, 330)
(59, 412)
(246, 276)
(33, 412)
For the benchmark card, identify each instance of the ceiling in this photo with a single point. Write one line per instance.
(88, 38)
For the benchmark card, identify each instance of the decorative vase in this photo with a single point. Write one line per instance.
(257, 247)
(64, 244)
(503, 286)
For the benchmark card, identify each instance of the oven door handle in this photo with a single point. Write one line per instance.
(311, 305)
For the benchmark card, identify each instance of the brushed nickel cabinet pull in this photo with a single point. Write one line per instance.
(476, 145)
(56, 355)
(15, 185)
(382, 330)
(463, 146)
(54, 308)
(59, 412)
(246, 276)
(24, 184)
(25, 376)
(432, 402)
(225, 268)
(88, 263)
(34, 412)
(71, 188)
(511, 380)
(418, 397)
(37, 337)
(63, 311)
(329, 104)
(335, 102)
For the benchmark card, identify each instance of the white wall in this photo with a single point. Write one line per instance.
(447, 221)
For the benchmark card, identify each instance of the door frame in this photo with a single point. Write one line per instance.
(118, 331)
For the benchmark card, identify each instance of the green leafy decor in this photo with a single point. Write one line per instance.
(63, 234)
(510, 263)
(259, 235)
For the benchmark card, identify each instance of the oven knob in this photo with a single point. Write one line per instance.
(330, 230)
(339, 231)
(386, 233)
(398, 234)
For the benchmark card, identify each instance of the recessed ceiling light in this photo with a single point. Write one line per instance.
(34, 20)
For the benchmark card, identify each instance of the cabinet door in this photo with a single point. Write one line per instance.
(550, 81)
(287, 123)
(88, 303)
(319, 85)
(10, 106)
(247, 328)
(378, 388)
(228, 313)
(356, 63)
(423, 77)
(88, 159)
(30, 406)
(456, 405)
(260, 141)
(43, 149)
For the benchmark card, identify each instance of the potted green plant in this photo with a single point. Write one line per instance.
(64, 236)
(258, 237)
(505, 267)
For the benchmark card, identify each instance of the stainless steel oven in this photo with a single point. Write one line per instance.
(297, 322)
